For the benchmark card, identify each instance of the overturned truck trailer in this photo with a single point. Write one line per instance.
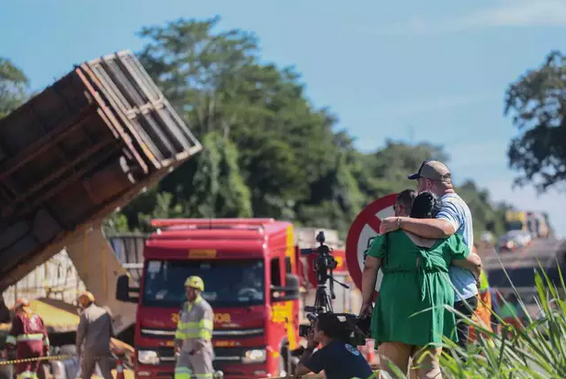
(81, 148)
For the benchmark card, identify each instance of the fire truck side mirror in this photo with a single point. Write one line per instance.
(124, 291)
(288, 292)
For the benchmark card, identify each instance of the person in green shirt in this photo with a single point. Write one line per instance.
(411, 314)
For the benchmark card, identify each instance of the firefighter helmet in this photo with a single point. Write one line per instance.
(195, 282)
(86, 298)
(21, 303)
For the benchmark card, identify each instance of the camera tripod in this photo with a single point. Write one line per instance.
(323, 298)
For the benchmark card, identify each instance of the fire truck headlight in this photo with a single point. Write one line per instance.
(148, 357)
(254, 356)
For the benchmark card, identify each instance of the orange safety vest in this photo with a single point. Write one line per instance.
(482, 316)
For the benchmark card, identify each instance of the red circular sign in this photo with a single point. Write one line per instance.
(362, 232)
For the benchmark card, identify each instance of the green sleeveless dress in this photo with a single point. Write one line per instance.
(416, 288)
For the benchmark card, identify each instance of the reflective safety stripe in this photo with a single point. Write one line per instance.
(183, 373)
(29, 337)
(194, 334)
(11, 340)
(203, 333)
(188, 325)
(46, 342)
(27, 375)
(201, 329)
(484, 284)
(207, 324)
(204, 323)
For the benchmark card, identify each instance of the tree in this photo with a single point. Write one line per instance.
(268, 151)
(486, 215)
(211, 185)
(218, 84)
(387, 169)
(537, 102)
(13, 87)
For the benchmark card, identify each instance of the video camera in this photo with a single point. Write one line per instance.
(355, 330)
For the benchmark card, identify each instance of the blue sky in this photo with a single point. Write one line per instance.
(409, 70)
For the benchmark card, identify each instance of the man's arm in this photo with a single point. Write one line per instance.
(472, 263)
(206, 324)
(433, 228)
(305, 357)
(15, 330)
(180, 332)
(309, 362)
(81, 332)
(46, 342)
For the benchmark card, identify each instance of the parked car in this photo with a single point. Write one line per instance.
(513, 240)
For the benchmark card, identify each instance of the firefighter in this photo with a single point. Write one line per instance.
(193, 345)
(483, 313)
(94, 337)
(28, 337)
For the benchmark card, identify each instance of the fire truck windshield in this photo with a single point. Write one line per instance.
(227, 283)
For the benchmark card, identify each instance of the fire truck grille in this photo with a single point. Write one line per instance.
(158, 333)
(238, 333)
(222, 355)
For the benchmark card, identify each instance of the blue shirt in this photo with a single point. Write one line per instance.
(340, 360)
(456, 211)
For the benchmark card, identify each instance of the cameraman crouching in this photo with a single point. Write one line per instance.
(338, 359)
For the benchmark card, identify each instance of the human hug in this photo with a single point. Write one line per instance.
(428, 286)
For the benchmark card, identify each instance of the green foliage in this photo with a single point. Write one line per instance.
(539, 351)
(486, 216)
(268, 151)
(537, 102)
(388, 168)
(217, 188)
(13, 87)
(116, 223)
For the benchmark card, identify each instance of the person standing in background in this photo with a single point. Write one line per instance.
(28, 336)
(404, 202)
(454, 217)
(94, 337)
(193, 345)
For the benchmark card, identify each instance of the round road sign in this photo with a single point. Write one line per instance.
(362, 233)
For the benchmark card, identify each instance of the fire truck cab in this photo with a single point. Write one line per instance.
(249, 267)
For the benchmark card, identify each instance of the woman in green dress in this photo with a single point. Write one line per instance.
(411, 314)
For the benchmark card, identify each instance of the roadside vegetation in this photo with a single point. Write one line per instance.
(538, 351)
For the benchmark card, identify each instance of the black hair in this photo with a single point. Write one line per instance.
(331, 326)
(406, 197)
(426, 205)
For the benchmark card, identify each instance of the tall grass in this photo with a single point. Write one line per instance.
(538, 351)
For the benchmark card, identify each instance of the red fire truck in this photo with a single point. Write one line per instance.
(252, 272)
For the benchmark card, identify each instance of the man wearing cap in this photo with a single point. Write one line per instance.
(454, 217)
(193, 345)
(94, 337)
(28, 336)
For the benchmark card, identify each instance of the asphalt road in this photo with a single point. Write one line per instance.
(521, 264)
